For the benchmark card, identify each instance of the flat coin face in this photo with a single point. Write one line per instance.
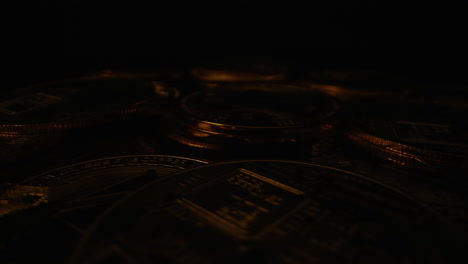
(268, 212)
(68, 104)
(260, 106)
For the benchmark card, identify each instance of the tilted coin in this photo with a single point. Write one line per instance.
(62, 105)
(359, 84)
(78, 194)
(269, 212)
(439, 190)
(252, 113)
(412, 135)
(98, 177)
(213, 73)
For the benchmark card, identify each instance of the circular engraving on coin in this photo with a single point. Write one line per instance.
(94, 179)
(260, 105)
(55, 208)
(258, 115)
(268, 212)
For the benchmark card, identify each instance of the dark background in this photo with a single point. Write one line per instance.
(426, 41)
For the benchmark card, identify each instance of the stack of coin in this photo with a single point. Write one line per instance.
(214, 74)
(250, 116)
(39, 114)
(412, 135)
(303, 188)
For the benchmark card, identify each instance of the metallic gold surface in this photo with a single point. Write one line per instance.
(252, 113)
(93, 177)
(64, 105)
(164, 74)
(412, 138)
(270, 212)
(336, 188)
(240, 72)
(22, 197)
(359, 85)
(60, 204)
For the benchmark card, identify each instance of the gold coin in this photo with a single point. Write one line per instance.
(62, 105)
(269, 212)
(359, 85)
(411, 135)
(229, 72)
(253, 113)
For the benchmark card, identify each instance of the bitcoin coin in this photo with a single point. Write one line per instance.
(240, 72)
(411, 135)
(259, 113)
(101, 176)
(69, 199)
(359, 85)
(269, 212)
(439, 190)
(62, 105)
